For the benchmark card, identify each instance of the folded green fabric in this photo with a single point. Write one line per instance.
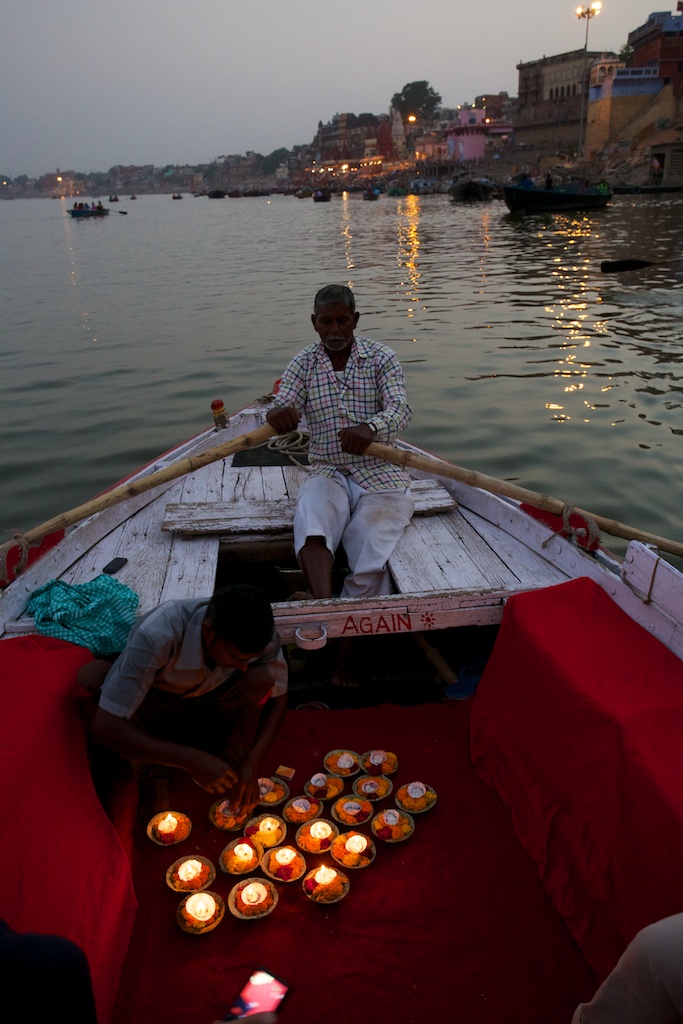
(97, 615)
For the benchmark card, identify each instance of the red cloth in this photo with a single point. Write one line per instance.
(452, 923)
(63, 868)
(578, 725)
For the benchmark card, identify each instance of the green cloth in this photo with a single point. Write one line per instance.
(97, 615)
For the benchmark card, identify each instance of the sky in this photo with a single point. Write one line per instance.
(85, 86)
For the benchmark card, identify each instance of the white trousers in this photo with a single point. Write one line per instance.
(646, 986)
(368, 524)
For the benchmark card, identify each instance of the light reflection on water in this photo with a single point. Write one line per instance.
(522, 359)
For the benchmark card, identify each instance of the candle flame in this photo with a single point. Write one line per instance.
(254, 893)
(356, 844)
(285, 856)
(321, 830)
(324, 876)
(201, 906)
(189, 870)
(167, 824)
(243, 851)
(268, 825)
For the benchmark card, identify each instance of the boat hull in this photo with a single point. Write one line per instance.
(553, 200)
(89, 213)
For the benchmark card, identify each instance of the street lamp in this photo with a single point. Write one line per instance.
(586, 11)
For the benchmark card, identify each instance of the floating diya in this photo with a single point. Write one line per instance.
(316, 836)
(252, 898)
(392, 826)
(272, 791)
(351, 811)
(169, 827)
(416, 797)
(372, 787)
(342, 762)
(223, 817)
(353, 850)
(241, 856)
(266, 829)
(324, 787)
(326, 885)
(379, 762)
(284, 864)
(190, 874)
(200, 912)
(302, 809)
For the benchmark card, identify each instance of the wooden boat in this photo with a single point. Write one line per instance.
(104, 212)
(554, 730)
(322, 195)
(530, 199)
(468, 189)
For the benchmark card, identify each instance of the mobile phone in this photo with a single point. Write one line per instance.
(114, 565)
(263, 992)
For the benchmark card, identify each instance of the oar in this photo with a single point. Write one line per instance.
(408, 459)
(145, 483)
(621, 266)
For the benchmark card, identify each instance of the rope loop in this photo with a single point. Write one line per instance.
(590, 532)
(290, 445)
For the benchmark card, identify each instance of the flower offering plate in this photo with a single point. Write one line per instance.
(325, 894)
(248, 911)
(302, 809)
(283, 872)
(349, 858)
(276, 795)
(181, 831)
(334, 787)
(372, 787)
(309, 843)
(194, 927)
(416, 797)
(267, 839)
(232, 865)
(331, 762)
(389, 831)
(379, 762)
(222, 817)
(351, 810)
(202, 881)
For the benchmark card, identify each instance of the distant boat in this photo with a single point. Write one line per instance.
(104, 212)
(113, 199)
(371, 193)
(133, 197)
(216, 193)
(322, 195)
(176, 196)
(529, 199)
(468, 189)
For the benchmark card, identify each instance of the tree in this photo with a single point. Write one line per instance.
(626, 54)
(416, 98)
(274, 159)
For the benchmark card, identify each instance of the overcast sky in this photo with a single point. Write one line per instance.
(84, 86)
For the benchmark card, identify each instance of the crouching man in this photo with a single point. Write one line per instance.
(201, 686)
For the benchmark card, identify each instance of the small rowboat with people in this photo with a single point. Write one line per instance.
(528, 674)
(93, 211)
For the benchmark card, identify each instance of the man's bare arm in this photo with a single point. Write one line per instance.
(246, 793)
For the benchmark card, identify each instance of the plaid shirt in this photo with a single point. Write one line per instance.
(369, 390)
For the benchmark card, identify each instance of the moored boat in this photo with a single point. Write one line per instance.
(527, 198)
(577, 712)
(471, 189)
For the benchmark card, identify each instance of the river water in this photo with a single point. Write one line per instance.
(522, 359)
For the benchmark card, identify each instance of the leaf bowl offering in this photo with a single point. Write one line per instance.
(168, 828)
(416, 797)
(252, 899)
(392, 826)
(200, 912)
(351, 810)
(283, 864)
(302, 809)
(379, 762)
(266, 829)
(241, 856)
(353, 850)
(273, 791)
(372, 787)
(316, 836)
(324, 787)
(224, 818)
(326, 885)
(342, 763)
(190, 874)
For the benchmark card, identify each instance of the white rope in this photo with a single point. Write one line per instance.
(290, 445)
(575, 534)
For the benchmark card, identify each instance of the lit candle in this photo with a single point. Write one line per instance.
(201, 906)
(254, 893)
(167, 824)
(324, 876)
(189, 870)
(243, 851)
(319, 780)
(285, 856)
(356, 844)
(377, 757)
(392, 817)
(345, 761)
(268, 825)
(416, 790)
(321, 830)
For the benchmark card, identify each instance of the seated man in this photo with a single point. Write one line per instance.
(352, 392)
(191, 690)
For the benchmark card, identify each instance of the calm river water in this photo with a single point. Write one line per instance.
(522, 360)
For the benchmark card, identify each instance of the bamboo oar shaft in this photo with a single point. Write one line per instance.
(408, 459)
(131, 488)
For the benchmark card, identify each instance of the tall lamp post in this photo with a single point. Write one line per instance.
(586, 11)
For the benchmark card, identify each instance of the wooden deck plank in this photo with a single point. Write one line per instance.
(527, 565)
(192, 564)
